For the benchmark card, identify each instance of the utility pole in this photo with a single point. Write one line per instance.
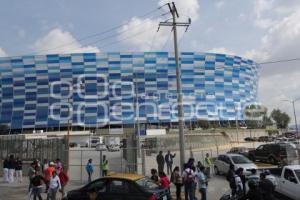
(174, 25)
(295, 116)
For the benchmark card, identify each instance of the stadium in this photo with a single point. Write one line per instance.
(95, 90)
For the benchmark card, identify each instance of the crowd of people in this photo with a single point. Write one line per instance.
(261, 186)
(12, 168)
(48, 176)
(193, 176)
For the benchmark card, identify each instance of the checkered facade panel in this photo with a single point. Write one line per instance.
(93, 89)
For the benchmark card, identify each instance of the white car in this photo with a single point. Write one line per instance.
(222, 163)
(101, 147)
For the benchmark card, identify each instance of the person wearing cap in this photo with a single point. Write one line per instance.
(48, 174)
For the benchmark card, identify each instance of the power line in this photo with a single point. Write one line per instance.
(100, 33)
(279, 61)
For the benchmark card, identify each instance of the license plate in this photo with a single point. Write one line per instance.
(165, 197)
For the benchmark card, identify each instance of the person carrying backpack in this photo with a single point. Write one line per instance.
(230, 179)
(188, 181)
(239, 186)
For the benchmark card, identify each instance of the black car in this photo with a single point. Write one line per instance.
(273, 153)
(121, 187)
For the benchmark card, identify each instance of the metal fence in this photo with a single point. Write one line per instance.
(29, 149)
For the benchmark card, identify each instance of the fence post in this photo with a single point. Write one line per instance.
(143, 162)
(81, 165)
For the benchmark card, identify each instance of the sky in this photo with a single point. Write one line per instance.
(262, 30)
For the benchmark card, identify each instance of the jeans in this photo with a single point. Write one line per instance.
(11, 175)
(52, 194)
(5, 175)
(19, 176)
(104, 173)
(188, 192)
(36, 191)
(169, 169)
(203, 193)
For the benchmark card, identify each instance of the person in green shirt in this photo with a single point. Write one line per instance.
(207, 165)
(104, 166)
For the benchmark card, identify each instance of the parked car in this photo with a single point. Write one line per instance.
(239, 150)
(121, 186)
(101, 147)
(288, 181)
(222, 163)
(273, 153)
(113, 147)
(249, 139)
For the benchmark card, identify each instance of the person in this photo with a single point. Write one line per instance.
(64, 179)
(230, 179)
(202, 182)
(199, 165)
(31, 174)
(58, 165)
(266, 187)
(253, 193)
(239, 189)
(92, 193)
(160, 162)
(45, 164)
(5, 170)
(154, 176)
(207, 165)
(165, 182)
(194, 184)
(191, 162)
(54, 186)
(169, 161)
(11, 168)
(37, 182)
(48, 174)
(89, 169)
(270, 177)
(104, 166)
(254, 177)
(176, 179)
(19, 168)
(188, 179)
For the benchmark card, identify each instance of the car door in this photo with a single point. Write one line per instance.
(97, 185)
(227, 163)
(117, 189)
(290, 184)
(220, 163)
(259, 152)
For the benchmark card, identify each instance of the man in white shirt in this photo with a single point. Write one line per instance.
(54, 186)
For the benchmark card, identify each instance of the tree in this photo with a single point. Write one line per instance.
(281, 119)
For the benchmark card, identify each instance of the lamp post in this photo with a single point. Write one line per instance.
(295, 117)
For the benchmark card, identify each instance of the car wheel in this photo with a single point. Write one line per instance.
(272, 160)
(217, 172)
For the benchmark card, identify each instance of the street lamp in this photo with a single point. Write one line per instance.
(293, 103)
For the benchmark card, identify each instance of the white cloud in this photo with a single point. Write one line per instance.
(221, 50)
(260, 7)
(141, 34)
(59, 41)
(2, 53)
(219, 4)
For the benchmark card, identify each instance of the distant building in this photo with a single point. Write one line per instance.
(104, 89)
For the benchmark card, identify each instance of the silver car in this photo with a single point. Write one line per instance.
(222, 163)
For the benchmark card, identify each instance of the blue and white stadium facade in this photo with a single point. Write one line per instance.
(100, 89)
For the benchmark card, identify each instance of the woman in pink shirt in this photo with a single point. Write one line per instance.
(165, 182)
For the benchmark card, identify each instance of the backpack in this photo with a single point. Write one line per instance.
(172, 179)
(36, 181)
(189, 177)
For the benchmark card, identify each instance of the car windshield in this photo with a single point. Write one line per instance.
(147, 183)
(297, 172)
(240, 160)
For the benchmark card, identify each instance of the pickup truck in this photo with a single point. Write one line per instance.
(288, 181)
